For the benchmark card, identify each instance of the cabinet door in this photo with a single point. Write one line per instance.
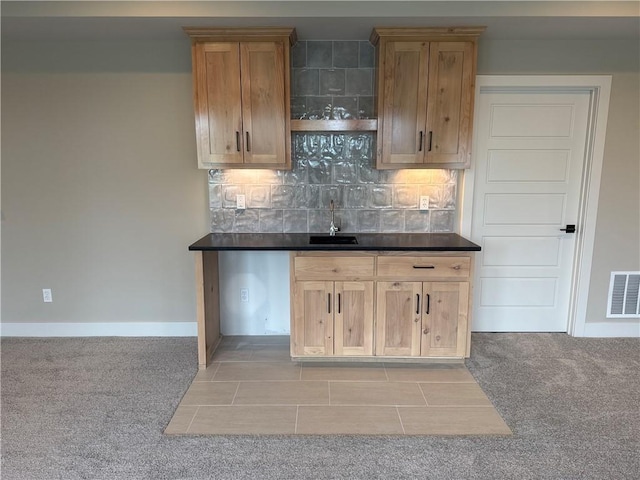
(444, 319)
(398, 318)
(450, 105)
(263, 103)
(404, 103)
(353, 318)
(313, 318)
(218, 108)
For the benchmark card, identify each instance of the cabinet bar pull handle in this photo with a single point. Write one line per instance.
(430, 138)
(339, 303)
(248, 144)
(237, 141)
(428, 303)
(329, 302)
(424, 266)
(420, 144)
(417, 303)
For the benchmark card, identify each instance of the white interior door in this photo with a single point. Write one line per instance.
(529, 156)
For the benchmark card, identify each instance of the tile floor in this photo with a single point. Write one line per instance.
(253, 387)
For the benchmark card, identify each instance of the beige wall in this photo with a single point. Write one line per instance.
(101, 197)
(535, 57)
(617, 242)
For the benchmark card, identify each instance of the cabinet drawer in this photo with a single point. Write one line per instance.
(424, 267)
(333, 268)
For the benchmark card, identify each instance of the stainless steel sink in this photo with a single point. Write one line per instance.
(333, 240)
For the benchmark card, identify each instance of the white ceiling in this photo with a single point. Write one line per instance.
(316, 20)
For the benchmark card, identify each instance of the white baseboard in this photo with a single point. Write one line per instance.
(612, 329)
(118, 329)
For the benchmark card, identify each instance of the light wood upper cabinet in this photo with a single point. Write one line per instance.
(450, 103)
(266, 134)
(218, 103)
(241, 97)
(403, 96)
(425, 88)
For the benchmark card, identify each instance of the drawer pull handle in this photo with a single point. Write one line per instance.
(417, 304)
(329, 302)
(237, 141)
(428, 303)
(339, 303)
(425, 266)
(248, 143)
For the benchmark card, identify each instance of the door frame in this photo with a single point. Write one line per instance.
(598, 87)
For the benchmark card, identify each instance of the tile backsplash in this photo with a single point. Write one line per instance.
(332, 79)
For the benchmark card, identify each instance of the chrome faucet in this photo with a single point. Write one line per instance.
(332, 228)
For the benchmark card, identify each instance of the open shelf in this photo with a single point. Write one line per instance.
(368, 125)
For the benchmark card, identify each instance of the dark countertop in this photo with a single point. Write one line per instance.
(435, 242)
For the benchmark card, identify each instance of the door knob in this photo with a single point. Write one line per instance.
(569, 229)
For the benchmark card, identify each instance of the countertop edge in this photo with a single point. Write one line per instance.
(339, 248)
(417, 243)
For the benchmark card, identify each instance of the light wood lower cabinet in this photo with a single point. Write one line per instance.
(353, 324)
(398, 322)
(383, 304)
(422, 319)
(332, 318)
(444, 319)
(313, 320)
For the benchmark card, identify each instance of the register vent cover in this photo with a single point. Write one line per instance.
(624, 295)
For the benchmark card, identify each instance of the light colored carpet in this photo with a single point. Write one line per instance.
(95, 408)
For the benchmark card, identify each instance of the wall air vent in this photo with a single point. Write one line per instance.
(624, 295)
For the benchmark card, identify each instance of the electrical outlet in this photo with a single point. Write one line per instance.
(47, 297)
(244, 294)
(240, 202)
(424, 202)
